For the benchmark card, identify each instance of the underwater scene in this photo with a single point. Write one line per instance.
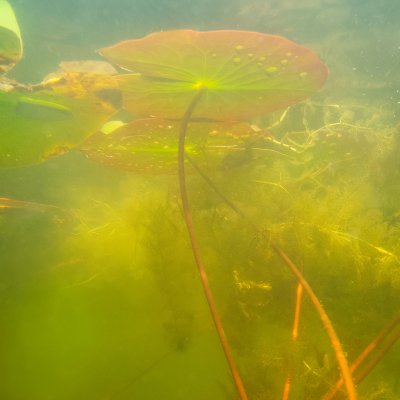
(199, 200)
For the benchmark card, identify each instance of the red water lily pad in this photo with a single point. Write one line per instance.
(245, 74)
(150, 145)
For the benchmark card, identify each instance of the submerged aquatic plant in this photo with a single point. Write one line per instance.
(217, 75)
(210, 84)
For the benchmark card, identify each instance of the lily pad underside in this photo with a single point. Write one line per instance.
(150, 145)
(243, 74)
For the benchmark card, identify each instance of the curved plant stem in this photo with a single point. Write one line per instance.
(336, 345)
(379, 338)
(219, 193)
(195, 248)
(378, 357)
(383, 334)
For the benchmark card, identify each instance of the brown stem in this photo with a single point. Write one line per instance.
(219, 193)
(364, 354)
(296, 322)
(372, 364)
(295, 335)
(195, 248)
(336, 345)
(286, 387)
(375, 360)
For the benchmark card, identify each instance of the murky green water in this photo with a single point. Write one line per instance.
(100, 297)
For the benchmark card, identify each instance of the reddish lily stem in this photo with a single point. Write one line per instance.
(195, 248)
(371, 365)
(295, 335)
(296, 322)
(337, 347)
(380, 337)
(371, 346)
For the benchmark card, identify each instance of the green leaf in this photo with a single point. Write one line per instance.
(10, 38)
(39, 125)
(245, 74)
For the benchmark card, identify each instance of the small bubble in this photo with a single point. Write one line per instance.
(284, 62)
(213, 55)
(239, 47)
(250, 55)
(271, 70)
(237, 60)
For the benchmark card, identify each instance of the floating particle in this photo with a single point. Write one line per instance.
(271, 70)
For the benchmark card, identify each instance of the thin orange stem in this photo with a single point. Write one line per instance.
(379, 338)
(195, 248)
(382, 335)
(336, 345)
(296, 322)
(286, 387)
(295, 335)
(372, 364)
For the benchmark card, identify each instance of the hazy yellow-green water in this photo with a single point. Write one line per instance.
(99, 295)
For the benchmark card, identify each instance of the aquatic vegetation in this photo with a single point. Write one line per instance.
(47, 119)
(308, 188)
(268, 72)
(188, 74)
(150, 145)
(40, 125)
(10, 38)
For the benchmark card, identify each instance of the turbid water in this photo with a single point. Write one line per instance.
(100, 296)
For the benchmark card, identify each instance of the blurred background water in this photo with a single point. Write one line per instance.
(99, 297)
